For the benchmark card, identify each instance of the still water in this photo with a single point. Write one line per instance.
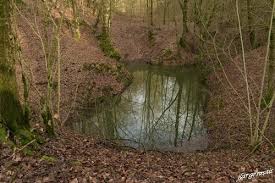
(161, 110)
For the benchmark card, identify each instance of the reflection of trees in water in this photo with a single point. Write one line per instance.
(182, 95)
(178, 114)
(157, 109)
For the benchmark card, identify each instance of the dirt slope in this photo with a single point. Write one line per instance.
(77, 83)
(130, 37)
(226, 107)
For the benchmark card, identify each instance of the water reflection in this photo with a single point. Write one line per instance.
(161, 110)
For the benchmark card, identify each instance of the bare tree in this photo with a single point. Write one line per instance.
(184, 10)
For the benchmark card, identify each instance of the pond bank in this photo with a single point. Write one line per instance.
(160, 110)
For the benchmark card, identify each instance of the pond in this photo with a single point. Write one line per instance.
(161, 110)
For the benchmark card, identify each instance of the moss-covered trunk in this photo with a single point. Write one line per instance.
(271, 69)
(106, 19)
(11, 113)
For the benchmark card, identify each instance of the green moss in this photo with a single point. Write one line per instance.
(12, 120)
(26, 106)
(47, 119)
(76, 163)
(49, 159)
(107, 47)
(21, 138)
(12, 117)
(24, 136)
(28, 151)
(11, 114)
(3, 134)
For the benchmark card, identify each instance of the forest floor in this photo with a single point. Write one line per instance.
(75, 158)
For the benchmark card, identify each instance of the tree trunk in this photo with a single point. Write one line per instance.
(271, 79)
(166, 4)
(105, 16)
(11, 113)
(250, 22)
(184, 10)
(178, 114)
(110, 14)
(151, 13)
